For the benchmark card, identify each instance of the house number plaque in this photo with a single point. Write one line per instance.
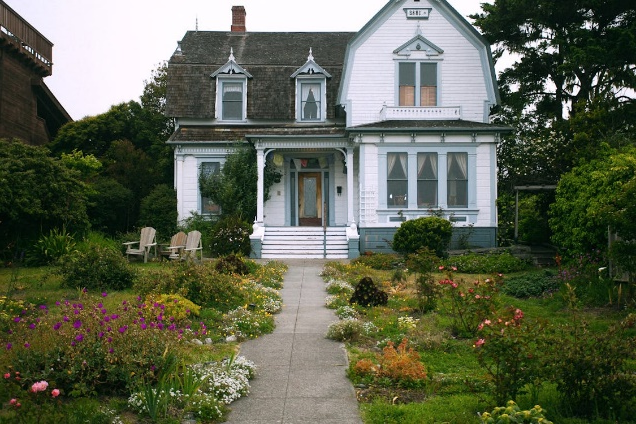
(417, 12)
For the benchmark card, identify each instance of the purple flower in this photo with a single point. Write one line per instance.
(104, 294)
(66, 319)
(76, 311)
(160, 326)
(143, 326)
(172, 327)
(106, 318)
(9, 346)
(42, 306)
(77, 324)
(57, 303)
(32, 326)
(27, 345)
(110, 339)
(114, 316)
(100, 305)
(123, 329)
(79, 337)
(57, 325)
(101, 334)
(111, 350)
(16, 319)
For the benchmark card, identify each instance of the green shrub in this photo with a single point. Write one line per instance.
(230, 235)
(348, 329)
(422, 264)
(231, 264)
(379, 261)
(432, 232)
(159, 210)
(200, 283)
(367, 294)
(96, 268)
(531, 285)
(50, 248)
(487, 263)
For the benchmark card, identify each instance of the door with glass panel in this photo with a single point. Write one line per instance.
(310, 199)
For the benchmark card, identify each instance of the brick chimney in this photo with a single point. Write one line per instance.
(238, 19)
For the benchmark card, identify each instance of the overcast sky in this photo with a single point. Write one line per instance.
(104, 50)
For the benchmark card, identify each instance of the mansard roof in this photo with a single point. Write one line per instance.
(269, 57)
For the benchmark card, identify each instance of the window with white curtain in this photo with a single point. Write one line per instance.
(397, 180)
(457, 180)
(426, 180)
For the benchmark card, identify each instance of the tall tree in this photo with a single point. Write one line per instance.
(575, 62)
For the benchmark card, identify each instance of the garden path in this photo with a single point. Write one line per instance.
(301, 375)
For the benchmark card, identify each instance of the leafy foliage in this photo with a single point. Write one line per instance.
(380, 261)
(37, 194)
(593, 196)
(230, 235)
(231, 264)
(432, 232)
(531, 285)
(159, 210)
(487, 263)
(367, 294)
(511, 413)
(234, 189)
(96, 268)
(50, 248)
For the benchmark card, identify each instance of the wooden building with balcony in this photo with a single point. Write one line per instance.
(28, 109)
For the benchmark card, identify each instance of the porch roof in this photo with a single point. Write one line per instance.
(230, 134)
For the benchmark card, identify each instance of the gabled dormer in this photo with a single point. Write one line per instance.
(311, 91)
(231, 91)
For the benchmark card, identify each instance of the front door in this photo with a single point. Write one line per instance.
(310, 199)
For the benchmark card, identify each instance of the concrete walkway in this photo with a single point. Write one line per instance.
(301, 375)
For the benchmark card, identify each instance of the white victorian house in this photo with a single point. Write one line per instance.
(368, 129)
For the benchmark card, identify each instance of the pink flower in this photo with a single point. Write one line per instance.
(479, 342)
(7, 375)
(55, 392)
(441, 267)
(40, 386)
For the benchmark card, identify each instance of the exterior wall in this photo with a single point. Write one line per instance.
(462, 75)
(18, 103)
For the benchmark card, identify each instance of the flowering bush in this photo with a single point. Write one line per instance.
(244, 323)
(347, 329)
(269, 275)
(28, 402)
(470, 304)
(344, 312)
(87, 349)
(511, 413)
(338, 286)
(407, 323)
(178, 308)
(509, 348)
(262, 297)
(401, 366)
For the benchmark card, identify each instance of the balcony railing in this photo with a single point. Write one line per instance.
(17, 31)
(412, 113)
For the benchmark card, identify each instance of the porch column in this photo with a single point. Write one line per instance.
(350, 218)
(260, 196)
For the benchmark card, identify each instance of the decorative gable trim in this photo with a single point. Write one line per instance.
(310, 68)
(231, 67)
(420, 44)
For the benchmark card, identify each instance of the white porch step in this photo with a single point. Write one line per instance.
(305, 242)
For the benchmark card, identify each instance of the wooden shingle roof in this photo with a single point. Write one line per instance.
(270, 57)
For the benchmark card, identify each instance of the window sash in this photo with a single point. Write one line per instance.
(311, 102)
(397, 179)
(417, 84)
(426, 179)
(232, 101)
(457, 180)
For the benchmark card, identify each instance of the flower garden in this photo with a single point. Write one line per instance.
(502, 343)
(162, 349)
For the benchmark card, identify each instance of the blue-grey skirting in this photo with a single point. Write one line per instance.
(379, 239)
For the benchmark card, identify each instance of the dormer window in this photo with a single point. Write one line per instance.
(231, 91)
(311, 91)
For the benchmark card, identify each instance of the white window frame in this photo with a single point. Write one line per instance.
(418, 82)
(322, 111)
(222, 79)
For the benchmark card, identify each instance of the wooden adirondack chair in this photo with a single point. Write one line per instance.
(193, 245)
(175, 249)
(145, 243)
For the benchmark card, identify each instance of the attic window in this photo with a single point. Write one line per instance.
(311, 91)
(231, 90)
